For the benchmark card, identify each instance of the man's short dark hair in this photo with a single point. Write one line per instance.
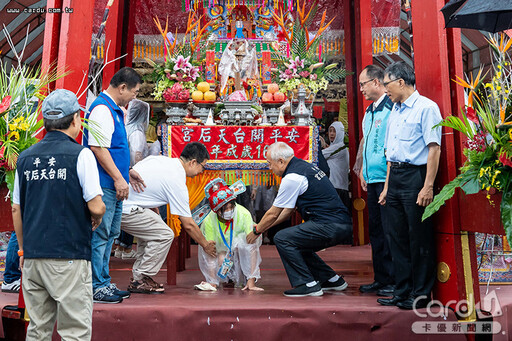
(58, 124)
(195, 150)
(127, 76)
(401, 70)
(374, 72)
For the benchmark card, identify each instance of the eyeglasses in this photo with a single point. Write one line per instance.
(391, 81)
(361, 84)
(202, 166)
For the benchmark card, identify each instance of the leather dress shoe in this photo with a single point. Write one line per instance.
(409, 304)
(373, 287)
(390, 301)
(386, 291)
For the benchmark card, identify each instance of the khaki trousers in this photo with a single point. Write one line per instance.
(154, 239)
(58, 289)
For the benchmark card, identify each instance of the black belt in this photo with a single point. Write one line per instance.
(404, 165)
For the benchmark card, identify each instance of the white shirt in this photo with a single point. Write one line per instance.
(292, 185)
(377, 102)
(166, 183)
(102, 122)
(88, 176)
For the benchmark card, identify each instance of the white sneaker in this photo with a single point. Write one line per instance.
(128, 255)
(118, 254)
(11, 287)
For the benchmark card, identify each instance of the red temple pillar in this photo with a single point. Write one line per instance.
(358, 54)
(74, 44)
(437, 59)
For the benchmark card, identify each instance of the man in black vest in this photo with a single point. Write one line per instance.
(326, 222)
(56, 205)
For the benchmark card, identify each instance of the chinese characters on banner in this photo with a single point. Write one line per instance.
(243, 144)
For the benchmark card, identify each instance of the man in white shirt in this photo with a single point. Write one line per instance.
(165, 180)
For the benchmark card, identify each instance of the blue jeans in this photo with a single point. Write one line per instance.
(12, 261)
(103, 238)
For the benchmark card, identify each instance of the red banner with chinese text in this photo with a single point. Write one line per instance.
(243, 147)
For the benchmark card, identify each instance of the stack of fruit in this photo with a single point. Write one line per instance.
(273, 95)
(203, 93)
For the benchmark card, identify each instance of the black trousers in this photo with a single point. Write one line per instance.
(297, 246)
(412, 241)
(378, 227)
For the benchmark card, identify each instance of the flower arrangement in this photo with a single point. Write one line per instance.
(486, 122)
(22, 91)
(299, 71)
(305, 66)
(177, 77)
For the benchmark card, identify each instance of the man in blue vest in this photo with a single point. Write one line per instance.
(109, 143)
(326, 222)
(373, 177)
(56, 205)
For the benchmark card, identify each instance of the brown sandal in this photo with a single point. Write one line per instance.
(144, 286)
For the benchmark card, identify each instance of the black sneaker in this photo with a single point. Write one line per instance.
(303, 290)
(339, 285)
(119, 292)
(105, 295)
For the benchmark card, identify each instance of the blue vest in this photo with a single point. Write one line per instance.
(374, 132)
(56, 220)
(320, 202)
(119, 146)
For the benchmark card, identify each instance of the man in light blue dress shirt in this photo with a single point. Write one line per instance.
(412, 154)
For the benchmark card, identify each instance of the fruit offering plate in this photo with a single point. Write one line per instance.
(204, 104)
(272, 104)
(178, 102)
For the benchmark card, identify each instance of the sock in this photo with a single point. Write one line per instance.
(334, 279)
(311, 284)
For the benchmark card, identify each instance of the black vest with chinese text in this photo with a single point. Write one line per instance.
(320, 202)
(56, 220)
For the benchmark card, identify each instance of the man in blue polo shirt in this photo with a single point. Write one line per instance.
(373, 177)
(413, 148)
(110, 146)
(326, 223)
(56, 205)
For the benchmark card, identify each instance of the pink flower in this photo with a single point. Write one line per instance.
(176, 88)
(295, 64)
(478, 142)
(6, 103)
(313, 76)
(181, 63)
(471, 114)
(194, 73)
(304, 74)
(505, 160)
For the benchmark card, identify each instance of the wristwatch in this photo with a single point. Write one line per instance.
(255, 231)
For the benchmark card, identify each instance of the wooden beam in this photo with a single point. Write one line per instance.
(358, 54)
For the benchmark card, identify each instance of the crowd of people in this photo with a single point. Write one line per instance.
(71, 202)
